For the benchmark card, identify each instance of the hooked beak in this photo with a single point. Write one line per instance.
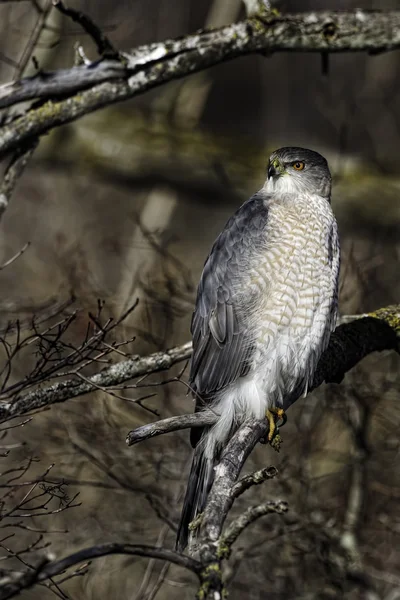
(274, 168)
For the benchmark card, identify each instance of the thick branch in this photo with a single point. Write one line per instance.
(149, 66)
(227, 472)
(351, 342)
(213, 547)
(50, 570)
(63, 81)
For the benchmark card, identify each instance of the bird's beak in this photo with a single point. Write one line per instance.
(274, 168)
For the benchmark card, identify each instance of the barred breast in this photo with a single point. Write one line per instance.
(291, 273)
(294, 318)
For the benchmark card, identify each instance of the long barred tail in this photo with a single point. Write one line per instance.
(200, 481)
(207, 442)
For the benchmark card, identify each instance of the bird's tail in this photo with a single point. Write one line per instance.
(200, 481)
(208, 444)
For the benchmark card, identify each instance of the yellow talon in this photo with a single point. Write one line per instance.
(273, 415)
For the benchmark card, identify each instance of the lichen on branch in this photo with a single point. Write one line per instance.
(82, 90)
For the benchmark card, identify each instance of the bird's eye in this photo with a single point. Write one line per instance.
(298, 165)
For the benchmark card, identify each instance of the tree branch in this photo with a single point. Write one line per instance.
(154, 64)
(103, 44)
(109, 377)
(349, 344)
(150, 430)
(14, 171)
(220, 499)
(48, 570)
(255, 478)
(248, 517)
(211, 545)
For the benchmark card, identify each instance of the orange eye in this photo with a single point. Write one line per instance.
(298, 165)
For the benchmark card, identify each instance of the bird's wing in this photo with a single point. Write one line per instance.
(222, 337)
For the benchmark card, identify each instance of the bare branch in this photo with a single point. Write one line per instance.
(254, 479)
(14, 258)
(45, 85)
(109, 377)
(210, 544)
(349, 344)
(150, 430)
(48, 570)
(14, 172)
(42, 19)
(250, 515)
(104, 46)
(227, 472)
(149, 66)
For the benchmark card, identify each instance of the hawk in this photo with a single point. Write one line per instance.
(266, 306)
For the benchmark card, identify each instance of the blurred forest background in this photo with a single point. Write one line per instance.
(125, 204)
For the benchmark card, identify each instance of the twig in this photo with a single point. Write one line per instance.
(250, 515)
(103, 44)
(14, 172)
(109, 377)
(43, 15)
(56, 356)
(14, 258)
(255, 478)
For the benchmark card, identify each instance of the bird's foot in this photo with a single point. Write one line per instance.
(273, 415)
(276, 442)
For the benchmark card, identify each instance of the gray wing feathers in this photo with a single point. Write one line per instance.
(222, 339)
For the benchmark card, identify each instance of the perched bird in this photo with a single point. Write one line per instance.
(266, 306)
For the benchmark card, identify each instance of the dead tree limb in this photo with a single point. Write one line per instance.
(212, 545)
(91, 87)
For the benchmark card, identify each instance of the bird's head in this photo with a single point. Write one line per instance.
(294, 170)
